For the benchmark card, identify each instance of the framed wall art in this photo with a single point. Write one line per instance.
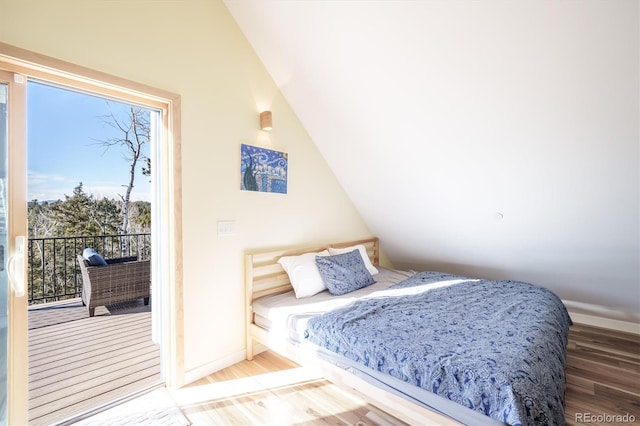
(263, 170)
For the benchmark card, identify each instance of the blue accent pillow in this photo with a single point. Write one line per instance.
(93, 257)
(344, 273)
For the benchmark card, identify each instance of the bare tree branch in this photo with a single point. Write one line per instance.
(134, 132)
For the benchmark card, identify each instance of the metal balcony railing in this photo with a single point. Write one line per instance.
(53, 270)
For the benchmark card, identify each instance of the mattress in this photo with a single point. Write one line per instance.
(286, 318)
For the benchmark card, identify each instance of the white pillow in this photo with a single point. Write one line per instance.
(303, 273)
(363, 252)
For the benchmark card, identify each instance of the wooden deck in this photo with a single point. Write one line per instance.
(77, 363)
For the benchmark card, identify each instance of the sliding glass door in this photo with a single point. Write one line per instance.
(4, 282)
(17, 66)
(13, 224)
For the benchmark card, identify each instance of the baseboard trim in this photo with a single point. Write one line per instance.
(210, 368)
(609, 323)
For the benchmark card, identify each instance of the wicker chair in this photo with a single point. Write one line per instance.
(122, 279)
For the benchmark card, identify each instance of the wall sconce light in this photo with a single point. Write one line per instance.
(265, 120)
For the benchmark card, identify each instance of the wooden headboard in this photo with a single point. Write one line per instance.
(265, 276)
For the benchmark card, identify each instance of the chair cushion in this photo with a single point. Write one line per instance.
(93, 257)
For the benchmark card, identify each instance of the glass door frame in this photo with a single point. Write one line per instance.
(167, 235)
(16, 211)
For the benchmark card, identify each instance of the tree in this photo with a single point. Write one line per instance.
(146, 170)
(81, 214)
(106, 214)
(41, 225)
(142, 215)
(134, 134)
(39, 219)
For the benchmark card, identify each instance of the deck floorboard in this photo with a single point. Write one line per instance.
(77, 362)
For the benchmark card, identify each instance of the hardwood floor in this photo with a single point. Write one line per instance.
(603, 376)
(603, 379)
(273, 390)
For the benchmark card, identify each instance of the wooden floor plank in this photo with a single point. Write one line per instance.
(620, 360)
(44, 370)
(617, 378)
(85, 362)
(64, 352)
(602, 373)
(49, 417)
(611, 341)
(65, 397)
(85, 379)
(48, 339)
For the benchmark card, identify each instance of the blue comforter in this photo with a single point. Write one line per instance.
(497, 347)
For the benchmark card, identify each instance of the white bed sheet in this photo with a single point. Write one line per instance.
(286, 317)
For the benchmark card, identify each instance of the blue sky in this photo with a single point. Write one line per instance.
(62, 149)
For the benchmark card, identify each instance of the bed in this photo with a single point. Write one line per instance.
(427, 347)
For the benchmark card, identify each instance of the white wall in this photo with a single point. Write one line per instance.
(437, 115)
(194, 48)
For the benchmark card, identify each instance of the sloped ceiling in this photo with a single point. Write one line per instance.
(493, 138)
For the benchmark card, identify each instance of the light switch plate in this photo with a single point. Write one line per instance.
(226, 227)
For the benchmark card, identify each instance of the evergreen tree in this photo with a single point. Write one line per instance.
(146, 170)
(141, 216)
(107, 215)
(81, 214)
(53, 262)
